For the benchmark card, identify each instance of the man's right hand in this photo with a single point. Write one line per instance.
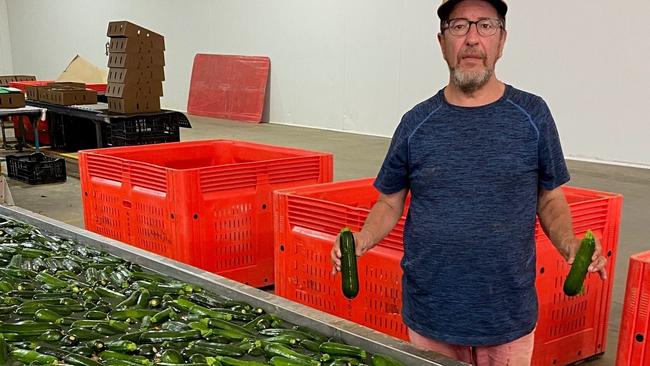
(362, 243)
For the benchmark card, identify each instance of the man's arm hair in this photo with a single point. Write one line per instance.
(555, 219)
(384, 215)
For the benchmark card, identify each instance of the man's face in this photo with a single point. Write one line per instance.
(471, 58)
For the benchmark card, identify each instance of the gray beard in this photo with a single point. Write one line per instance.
(470, 81)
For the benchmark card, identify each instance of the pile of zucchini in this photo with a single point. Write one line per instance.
(63, 303)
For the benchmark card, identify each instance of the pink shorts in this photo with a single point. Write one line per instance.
(516, 353)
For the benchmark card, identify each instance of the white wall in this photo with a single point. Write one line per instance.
(358, 65)
(6, 67)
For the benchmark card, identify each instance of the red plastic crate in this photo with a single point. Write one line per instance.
(633, 342)
(206, 203)
(44, 137)
(307, 219)
(22, 85)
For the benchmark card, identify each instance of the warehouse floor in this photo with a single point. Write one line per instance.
(360, 156)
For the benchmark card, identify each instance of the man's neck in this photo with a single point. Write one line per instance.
(488, 93)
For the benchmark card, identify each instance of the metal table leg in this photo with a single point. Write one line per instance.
(34, 122)
(21, 142)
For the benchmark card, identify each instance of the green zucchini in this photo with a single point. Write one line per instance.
(69, 340)
(79, 360)
(106, 330)
(132, 313)
(171, 356)
(146, 350)
(297, 334)
(143, 298)
(6, 286)
(209, 348)
(349, 275)
(282, 361)
(96, 345)
(84, 334)
(95, 315)
(340, 349)
(47, 315)
(29, 356)
(202, 327)
(175, 326)
(106, 355)
(129, 301)
(229, 361)
(226, 325)
(87, 323)
(573, 284)
(310, 345)
(197, 358)
(276, 349)
(314, 334)
(122, 346)
(50, 336)
(159, 336)
(106, 292)
(162, 316)
(118, 326)
(83, 351)
(4, 351)
(385, 360)
(133, 336)
(286, 339)
(345, 361)
(117, 362)
(27, 327)
(48, 279)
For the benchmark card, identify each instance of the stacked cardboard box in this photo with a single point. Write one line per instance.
(6, 79)
(11, 98)
(63, 93)
(136, 68)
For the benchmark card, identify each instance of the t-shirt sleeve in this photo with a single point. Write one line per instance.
(394, 172)
(553, 171)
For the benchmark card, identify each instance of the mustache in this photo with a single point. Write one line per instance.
(471, 52)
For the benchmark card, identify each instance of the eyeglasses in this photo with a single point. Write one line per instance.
(485, 27)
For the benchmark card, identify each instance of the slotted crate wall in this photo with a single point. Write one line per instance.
(207, 203)
(307, 220)
(633, 342)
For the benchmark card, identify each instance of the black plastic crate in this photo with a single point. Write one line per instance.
(146, 129)
(71, 133)
(36, 168)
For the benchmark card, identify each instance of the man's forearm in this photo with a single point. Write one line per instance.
(383, 216)
(555, 219)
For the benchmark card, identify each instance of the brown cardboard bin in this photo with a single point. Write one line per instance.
(135, 76)
(136, 60)
(139, 105)
(129, 90)
(127, 29)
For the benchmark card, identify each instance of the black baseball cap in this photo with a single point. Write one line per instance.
(447, 5)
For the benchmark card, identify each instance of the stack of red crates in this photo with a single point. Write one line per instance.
(307, 220)
(633, 342)
(207, 203)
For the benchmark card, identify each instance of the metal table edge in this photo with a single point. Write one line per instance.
(349, 332)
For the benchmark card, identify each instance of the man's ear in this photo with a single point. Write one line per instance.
(441, 42)
(502, 42)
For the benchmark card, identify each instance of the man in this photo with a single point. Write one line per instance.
(481, 159)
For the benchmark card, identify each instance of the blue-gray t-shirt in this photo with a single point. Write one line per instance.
(469, 250)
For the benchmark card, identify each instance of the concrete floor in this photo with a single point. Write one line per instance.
(360, 156)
